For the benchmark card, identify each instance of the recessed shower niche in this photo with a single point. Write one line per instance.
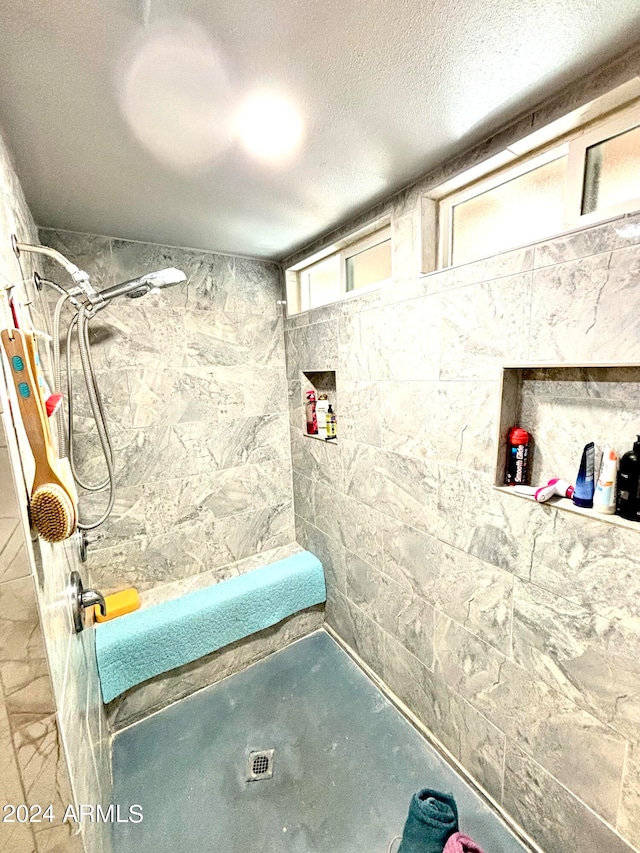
(563, 407)
(321, 382)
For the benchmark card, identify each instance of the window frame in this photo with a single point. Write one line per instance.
(575, 145)
(354, 245)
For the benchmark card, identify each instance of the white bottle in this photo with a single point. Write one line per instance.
(604, 496)
(322, 408)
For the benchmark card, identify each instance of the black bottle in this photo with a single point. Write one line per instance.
(628, 485)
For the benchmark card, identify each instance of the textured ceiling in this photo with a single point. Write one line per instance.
(118, 110)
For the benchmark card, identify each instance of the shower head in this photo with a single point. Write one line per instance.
(138, 286)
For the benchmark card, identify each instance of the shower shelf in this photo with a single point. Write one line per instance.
(322, 382)
(564, 406)
(568, 506)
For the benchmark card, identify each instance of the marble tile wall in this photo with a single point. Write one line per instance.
(510, 629)
(195, 391)
(48, 707)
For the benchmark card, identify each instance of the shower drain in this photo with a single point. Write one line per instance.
(260, 765)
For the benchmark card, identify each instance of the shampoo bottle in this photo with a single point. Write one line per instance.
(604, 497)
(322, 408)
(628, 501)
(585, 484)
(331, 423)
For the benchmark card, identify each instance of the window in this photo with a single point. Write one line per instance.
(593, 175)
(355, 266)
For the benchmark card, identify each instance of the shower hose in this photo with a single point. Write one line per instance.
(66, 432)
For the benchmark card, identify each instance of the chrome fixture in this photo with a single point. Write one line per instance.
(82, 598)
(87, 302)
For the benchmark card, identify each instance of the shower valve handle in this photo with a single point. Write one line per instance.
(82, 598)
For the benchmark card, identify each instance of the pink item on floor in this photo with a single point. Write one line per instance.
(459, 843)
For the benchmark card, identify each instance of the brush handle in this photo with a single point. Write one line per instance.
(29, 401)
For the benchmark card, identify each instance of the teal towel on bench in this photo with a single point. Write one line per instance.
(140, 645)
(432, 818)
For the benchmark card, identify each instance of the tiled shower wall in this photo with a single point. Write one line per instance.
(42, 664)
(195, 390)
(509, 628)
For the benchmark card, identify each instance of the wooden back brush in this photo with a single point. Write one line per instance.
(52, 505)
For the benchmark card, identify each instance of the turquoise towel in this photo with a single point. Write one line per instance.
(140, 645)
(432, 818)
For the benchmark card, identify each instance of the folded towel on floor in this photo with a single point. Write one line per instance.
(432, 818)
(459, 843)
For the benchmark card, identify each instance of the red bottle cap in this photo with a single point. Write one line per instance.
(518, 436)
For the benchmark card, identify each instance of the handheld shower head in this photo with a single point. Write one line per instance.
(138, 286)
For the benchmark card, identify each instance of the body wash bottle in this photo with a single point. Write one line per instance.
(604, 497)
(585, 486)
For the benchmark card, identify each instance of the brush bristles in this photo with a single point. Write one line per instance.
(52, 513)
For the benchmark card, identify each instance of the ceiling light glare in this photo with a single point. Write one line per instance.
(270, 127)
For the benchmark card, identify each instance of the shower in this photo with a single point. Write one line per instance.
(87, 302)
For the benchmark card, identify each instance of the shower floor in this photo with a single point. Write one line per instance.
(346, 764)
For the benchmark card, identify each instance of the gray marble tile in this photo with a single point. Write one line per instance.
(396, 342)
(297, 414)
(405, 616)
(173, 504)
(240, 536)
(591, 660)
(265, 390)
(471, 738)
(239, 442)
(331, 553)
(362, 634)
(320, 461)
(304, 497)
(176, 589)
(270, 483)
(311, 348)
(359, 411)
(259, 286)
(578, 749)
(210, 277)
(169, 396)
(127, 520)
(589, 562)
(116, 398)
(475, 594)
(583, 310)
(143, 332)
(482, 328)
(357, 526)
(403, 487)
(497, 528)
(629, 814)
(606, 237)
(451, 422)
(549, 812)
(497, 266)
(89, 252)
(167, 688)
(603, 406)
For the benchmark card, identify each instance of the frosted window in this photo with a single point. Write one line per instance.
(369, 267)
(612, 173)
(323, 282)
(521, 211)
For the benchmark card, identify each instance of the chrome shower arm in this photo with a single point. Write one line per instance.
(80, 277)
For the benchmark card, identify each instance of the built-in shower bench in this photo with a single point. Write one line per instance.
(165, 635)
